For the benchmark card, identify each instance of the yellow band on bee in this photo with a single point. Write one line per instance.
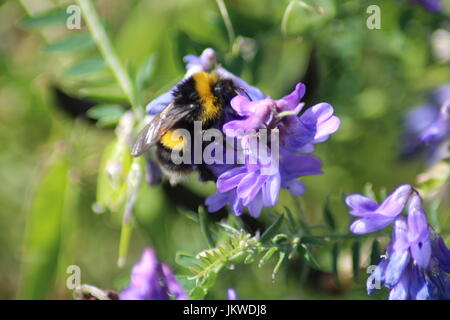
(203, 83)
(172, 140)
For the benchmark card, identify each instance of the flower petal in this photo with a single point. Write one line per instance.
(401, 289)
(217, 201)
(398, 262)
(372, 223)
(271, 190)
(394, 203)
(296, 187)
(360, 205)
(173, 286)
(418, 232)
(231, 179)
(256, 205)
(291, 101)
(293, 166)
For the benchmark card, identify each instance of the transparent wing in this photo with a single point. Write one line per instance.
(157, 127)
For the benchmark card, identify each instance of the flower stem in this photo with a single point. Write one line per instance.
(226, 19)
(106, 49)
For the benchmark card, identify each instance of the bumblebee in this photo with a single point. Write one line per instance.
(203, 97)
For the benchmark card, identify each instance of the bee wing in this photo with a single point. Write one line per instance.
(157, 127)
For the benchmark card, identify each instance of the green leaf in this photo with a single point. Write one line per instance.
(210, 262)
(198, 293)
(44, 232)
(267, 256)
(205, 228)
(51, 17)
(145, 73)
(185, 260)
(106, 114)
(272, 230)
(281, 258)
(87, 66)
(73, 43)
(356, 247)
(305, 252)
(328, 215)
(292, 223)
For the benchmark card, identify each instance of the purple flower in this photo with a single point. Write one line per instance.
(151, 280)
(270, 166)
(428, 126)
(430, 5)
(417, 260)
(439, 129)
(374, 217)
(232, 294)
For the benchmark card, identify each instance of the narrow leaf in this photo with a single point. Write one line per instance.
(281, 258)
(106, 114)
(267, 256)
(145, 73)
(43, 235)
(51, 17)
(184, 259)
(86, 67)
(74, 43)
(272, 230)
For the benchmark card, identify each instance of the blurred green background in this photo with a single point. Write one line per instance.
(51, 151)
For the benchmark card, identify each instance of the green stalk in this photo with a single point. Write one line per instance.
(106, 49)
(226, 19)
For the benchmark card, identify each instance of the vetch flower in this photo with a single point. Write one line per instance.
(374, 217)
(271, 165)
(417, 261)
(272, 141)
(151, 280)
(428, 126)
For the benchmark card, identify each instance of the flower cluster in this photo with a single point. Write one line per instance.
(276, 164)
(265, 166)
(151, 280)
(417, 261)
(429, 126)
